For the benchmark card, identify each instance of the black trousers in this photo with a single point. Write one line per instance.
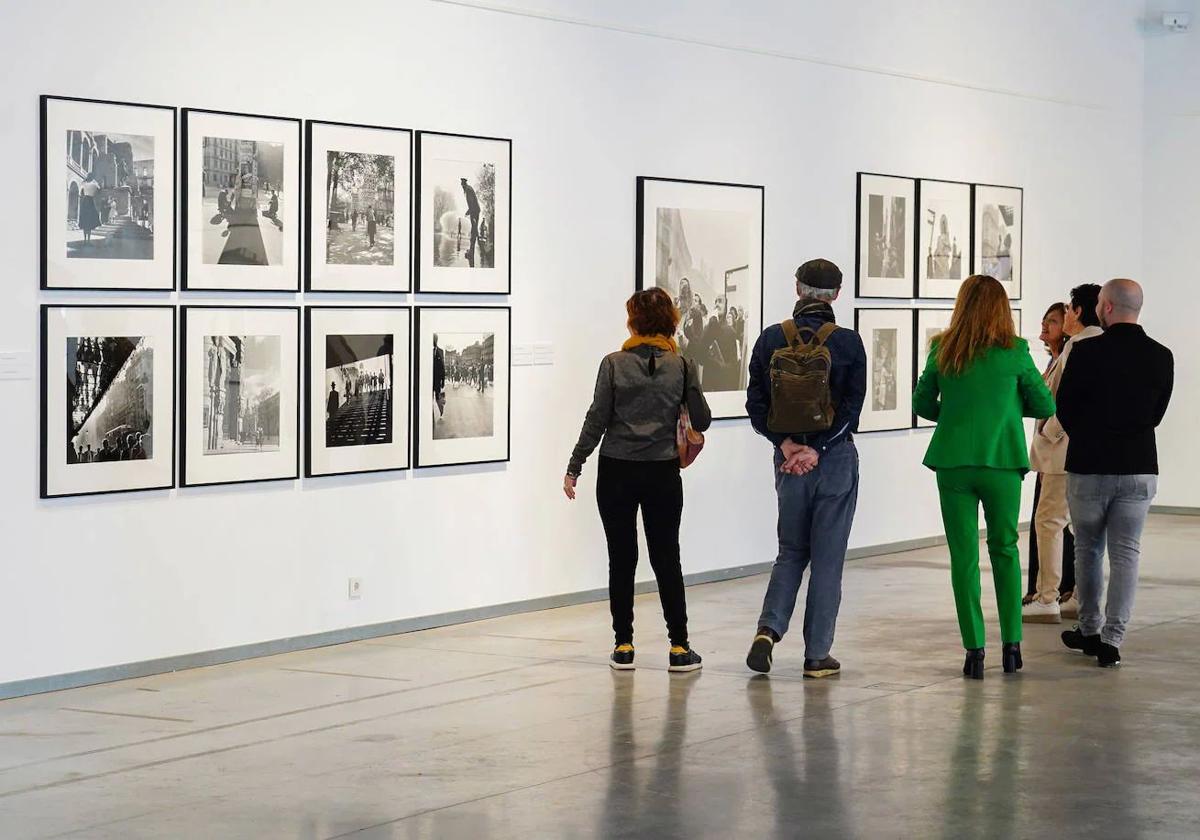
(1068, 565)
(656, 487)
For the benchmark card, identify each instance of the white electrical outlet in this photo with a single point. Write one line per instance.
(354, 590)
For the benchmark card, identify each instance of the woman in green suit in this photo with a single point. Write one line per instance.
(978, 384)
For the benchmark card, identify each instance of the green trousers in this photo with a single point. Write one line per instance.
(962, 490)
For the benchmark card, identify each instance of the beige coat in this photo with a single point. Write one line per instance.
(1048, 454)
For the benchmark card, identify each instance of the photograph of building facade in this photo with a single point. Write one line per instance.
(241, 405)
(110, 391)
(110, 204)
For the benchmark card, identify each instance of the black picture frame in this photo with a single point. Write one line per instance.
(44, 185)
(858, 266)
(976, 268)
(969, 252)
(639, 279)
(309, 396)
(182, 193)
(182, 411)
(308, 216)
(44, 383)
(416, 388)
(912, 319)
(418, 140)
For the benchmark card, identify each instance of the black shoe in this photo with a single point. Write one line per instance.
(1011, 657)
(1076, 640)
(686, 660)
(622, 658)
(817, 668)
(761, 650)
(1107, 656)
(973, 666)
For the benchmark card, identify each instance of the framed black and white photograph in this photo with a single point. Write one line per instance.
(108, 214)
(241, 202)
(888, 336)
(943, 237)
(463, 214)
(108, 399)
(998, 214)
(1016, 316)
(702, 242)
(930, 324)
(240, 378)
(886, 216)
(462, 385)
(358, 193)
(357, 374)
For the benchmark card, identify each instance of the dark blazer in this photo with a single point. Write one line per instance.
(1112, 396)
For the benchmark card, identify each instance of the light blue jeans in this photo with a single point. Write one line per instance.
(1108, 509)
(815, 514)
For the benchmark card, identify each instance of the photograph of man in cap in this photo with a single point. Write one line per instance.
(816, 470)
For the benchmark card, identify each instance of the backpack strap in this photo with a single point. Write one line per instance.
(791, 332)
(826, 330)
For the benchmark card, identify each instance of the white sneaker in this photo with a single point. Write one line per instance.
(1038, 613)
(1069, 608)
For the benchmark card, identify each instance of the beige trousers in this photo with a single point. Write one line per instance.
(1049, 520)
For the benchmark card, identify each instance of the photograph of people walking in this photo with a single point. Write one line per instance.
(358, 390)
(110, 201)
(243, 202)
(359, 209)
(463, 375)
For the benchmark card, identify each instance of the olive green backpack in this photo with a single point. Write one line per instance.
(800, 398)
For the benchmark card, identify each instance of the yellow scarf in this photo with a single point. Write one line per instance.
(662, 342)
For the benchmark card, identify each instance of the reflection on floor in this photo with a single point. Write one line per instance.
(516, 728)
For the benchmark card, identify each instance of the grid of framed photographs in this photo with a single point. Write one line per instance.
(383, 210)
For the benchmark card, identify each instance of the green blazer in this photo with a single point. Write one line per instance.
(978, 412)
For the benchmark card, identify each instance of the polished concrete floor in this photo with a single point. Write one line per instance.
(515, 727)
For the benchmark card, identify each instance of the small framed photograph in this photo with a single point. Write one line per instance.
(886, 208)
(463, 214)
(108, 399)
(241, 202)
(356, 364)
(998, 214)
(1016, 316)
(358, 196)
(930, 324)
(108, 214)
(462, 385)
(240, 372)
(702, 242)
(888, 336)
(944, 237)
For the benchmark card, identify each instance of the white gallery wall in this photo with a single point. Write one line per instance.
(794, 96)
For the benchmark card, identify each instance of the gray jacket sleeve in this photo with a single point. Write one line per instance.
(595, 423)
(697, 406)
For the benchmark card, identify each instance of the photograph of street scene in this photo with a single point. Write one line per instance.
(358, 390)
(463, 385)
(110, 399)
(359, 209)
(464, 213)
(110, 196)
(242, 378)
(243, 201)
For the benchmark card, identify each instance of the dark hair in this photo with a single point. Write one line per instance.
(1057, 308)
(652, 312)
(1085, 298)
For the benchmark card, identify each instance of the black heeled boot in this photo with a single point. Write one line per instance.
(1012, 657)
(973, 667)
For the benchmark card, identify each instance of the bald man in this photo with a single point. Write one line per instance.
(1111, 398)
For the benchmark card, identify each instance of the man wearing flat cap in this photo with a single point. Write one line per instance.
(816, 463)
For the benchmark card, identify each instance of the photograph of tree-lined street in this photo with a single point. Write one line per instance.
(360, 209)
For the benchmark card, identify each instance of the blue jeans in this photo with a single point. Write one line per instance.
(1108, 509)
(815, 514)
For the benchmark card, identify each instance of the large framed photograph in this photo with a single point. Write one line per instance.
(888, 336)
(998, 214)
(702, 242)
(463, 214)
(886, 213)
(108, 214)
(944, 237)
(462, 385)
(358, 195)
(930, 324)
(240, 373)
(241, 202)
(356, 365)
(108, 399)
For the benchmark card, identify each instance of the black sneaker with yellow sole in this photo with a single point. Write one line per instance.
(761, 653)
(818, 668)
